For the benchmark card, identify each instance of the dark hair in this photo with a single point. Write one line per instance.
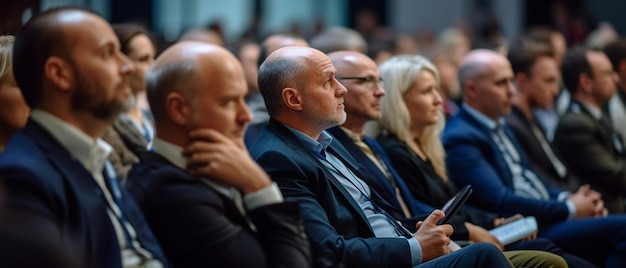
(524, 52)
(41, 38)
(574, 64)
(125, 32)
(616, 51)
(274, 76)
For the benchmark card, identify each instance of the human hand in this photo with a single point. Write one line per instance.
(502, 221)
(213, 155)
(433, 238)
(479, 234)
(600, 210)
(588, 203)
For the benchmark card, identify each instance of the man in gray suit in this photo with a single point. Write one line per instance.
(585, 137)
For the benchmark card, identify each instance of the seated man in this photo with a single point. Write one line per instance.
(585, 137)
(190, 187)
(481, 153)
(343, 217)
(363, 104)
(537, 77)
(69, 66)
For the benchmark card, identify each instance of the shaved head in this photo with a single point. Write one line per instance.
(486, 78)
(476, 63)
(180, 65)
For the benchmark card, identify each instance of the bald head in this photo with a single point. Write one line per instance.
(477, 63)
(345, 60)
(300, 89)
(359, 74)
(183, 68)
(486, 78)
(41, 38)
(276, 41)
(280, 70)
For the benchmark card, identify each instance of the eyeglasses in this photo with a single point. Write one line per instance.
(368, 81)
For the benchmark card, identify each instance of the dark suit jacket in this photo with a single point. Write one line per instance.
(538, 160)
(587, 146)
(379, 181)
(41, 179)
(473, 158)
(337, 227)
(198, 227)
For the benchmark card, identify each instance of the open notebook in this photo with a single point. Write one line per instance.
(516, 230)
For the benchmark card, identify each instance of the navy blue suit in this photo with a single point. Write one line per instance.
(473, 158)
(41, 179)
(338, 230)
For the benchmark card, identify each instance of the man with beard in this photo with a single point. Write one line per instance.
(71, 71)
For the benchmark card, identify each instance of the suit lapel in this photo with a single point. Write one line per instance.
(79, 184)
(368, 166)
(496, 155)
(290, 139)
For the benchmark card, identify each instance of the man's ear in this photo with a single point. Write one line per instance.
(585, 83)
(469, 89)
(178, 109)
(59, 72)
(520, 81)
(292, 98)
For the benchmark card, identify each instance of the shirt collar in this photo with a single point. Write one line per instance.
(319, 145)
(595, 112)
(91, 153)
(170, 152)
(483, 119)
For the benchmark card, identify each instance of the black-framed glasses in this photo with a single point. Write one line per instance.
(368, 81)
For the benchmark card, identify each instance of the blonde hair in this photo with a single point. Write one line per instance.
(398, 74)
(6, 56)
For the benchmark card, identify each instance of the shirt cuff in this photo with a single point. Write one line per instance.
(572, 209)
(264, 197)
(416, 251)
(563, 196)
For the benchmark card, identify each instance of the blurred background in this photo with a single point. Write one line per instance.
(392, 22)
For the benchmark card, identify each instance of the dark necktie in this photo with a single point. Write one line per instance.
(116, 192)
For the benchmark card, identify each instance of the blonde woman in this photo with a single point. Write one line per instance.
(409, 132)
(13, 110)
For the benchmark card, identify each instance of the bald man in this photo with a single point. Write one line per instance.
(254, 99)
(207, 201)
(359, 74)
(483, 152)
(69, 66)
(344, 218)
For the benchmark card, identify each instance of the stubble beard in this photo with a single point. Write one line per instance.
(86, 99)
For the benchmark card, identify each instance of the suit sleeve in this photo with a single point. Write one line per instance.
(330, 248)
(468, 165)
(579, 142)
(191, 223)
(26, 195)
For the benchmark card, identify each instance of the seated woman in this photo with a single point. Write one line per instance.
(13, 109)
(409, 132)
